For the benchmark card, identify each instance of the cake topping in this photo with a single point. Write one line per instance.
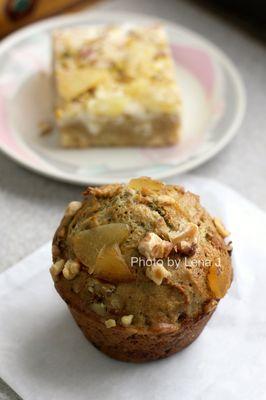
(72, 208)
(55, 251)
(165, 200)
(218, 280)
(185, 241)
(111, 266)
(73, 82)
(110, 323)
(157, 273)
(152, 246)
(105, 191)
(210, 306)
(71, 269)
(221, 228)
(112, 70)
(57, 268)
(145, 184)
(88, 244)
(229, 248)
(126, 320)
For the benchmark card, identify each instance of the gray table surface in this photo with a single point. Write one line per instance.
(31, 205)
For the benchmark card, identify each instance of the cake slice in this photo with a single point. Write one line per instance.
(115, 86)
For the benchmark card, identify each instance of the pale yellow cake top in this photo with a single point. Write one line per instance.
(114, 70)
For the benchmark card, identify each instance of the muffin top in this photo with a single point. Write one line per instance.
(142, 254)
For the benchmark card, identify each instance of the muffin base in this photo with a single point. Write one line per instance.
(137, 344)
(133, 344)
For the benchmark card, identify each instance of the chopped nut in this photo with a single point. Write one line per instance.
(210, 306)
(61, 232)
(99, 308)
(105, 191)
(152, 246)
(157, 273)
(57, 268)
(165, 200)
(126, 320)
(110, 323)
(179, 189)
(229, 248)
(220, 227)
(55, 251)
(72, 208)
(186, 247)
(186, 240)
(71, 269)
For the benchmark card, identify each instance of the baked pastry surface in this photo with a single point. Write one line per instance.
(141, 266)
(115, 86)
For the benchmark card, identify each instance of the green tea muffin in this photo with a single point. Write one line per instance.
(141, 267)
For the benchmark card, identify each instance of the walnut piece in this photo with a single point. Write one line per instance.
(57, 268)
(99, 308)
(71, 269)
(72, 208)
(221, 228)
(210, 306)
(185, 241)
(152, 246)
(229, 248)
(157, 273)
(55, 251)
(165, 200)
(126, 320)
(106, 191)
(110, 323)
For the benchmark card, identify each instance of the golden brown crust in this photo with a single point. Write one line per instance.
(134, 344)
(129, 344)
(165, 132)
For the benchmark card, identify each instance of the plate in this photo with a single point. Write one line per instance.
(213, 106)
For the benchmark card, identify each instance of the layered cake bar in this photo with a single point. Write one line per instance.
(115, 86)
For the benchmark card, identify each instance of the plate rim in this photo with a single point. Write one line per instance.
(219, 55)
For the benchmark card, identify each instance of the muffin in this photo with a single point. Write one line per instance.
(141, 266)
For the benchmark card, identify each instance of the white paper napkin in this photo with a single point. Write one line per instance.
(44, 356)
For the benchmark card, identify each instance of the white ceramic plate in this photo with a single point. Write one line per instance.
(211, 88)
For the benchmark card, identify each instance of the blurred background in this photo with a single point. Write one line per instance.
(17, 13)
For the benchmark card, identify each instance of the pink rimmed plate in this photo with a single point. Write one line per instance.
(211, 88)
